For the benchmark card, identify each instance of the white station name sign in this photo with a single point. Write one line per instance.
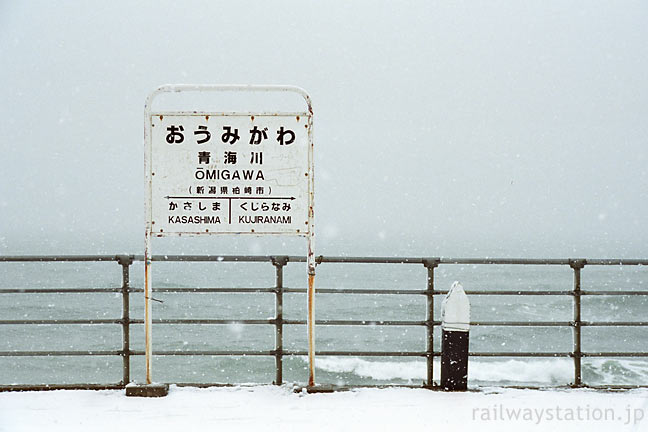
(229, 173)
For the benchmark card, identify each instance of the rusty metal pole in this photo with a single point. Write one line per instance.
(148, 231)
(430, 265)
(577, 265)
(311, 251)
(279, 263)
(125, 261)
(311, 325)
(148, 327)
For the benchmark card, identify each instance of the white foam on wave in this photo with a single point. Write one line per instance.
(546, 371)
(616, 371)
(379, 370)
(537, 371)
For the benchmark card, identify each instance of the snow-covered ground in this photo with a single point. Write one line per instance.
(270, 408)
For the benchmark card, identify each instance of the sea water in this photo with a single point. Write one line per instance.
(341, 370)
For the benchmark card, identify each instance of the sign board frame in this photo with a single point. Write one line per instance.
(307, 119)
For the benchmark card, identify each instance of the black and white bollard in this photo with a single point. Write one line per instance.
(455, 322)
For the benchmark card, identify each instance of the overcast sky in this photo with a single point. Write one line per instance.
(441, 128)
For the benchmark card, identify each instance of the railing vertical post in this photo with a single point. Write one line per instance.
(577, 265)
(125, 261)
(279, 263)
(430, 265)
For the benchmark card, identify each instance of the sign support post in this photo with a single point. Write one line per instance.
(311, 261)
(148, 315)
(228, 173)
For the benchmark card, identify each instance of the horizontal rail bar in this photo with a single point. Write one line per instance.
(560, 323)
(206, 321)
(550, 292)
(614, 323)
(502, 261)
(362, 322)
(57, 258)
(272, 321)
(323, 259)
(59, 353)
(135, 321)
(210, 290)
(120, 386)
(47, 387)
(367, 260)
(614, 387)
(323, 353)
(319, 291)
(512, 292)
(520, 354)
(363, 353)
(523, 323)
(61, 321)
(435, 387)
(615, 354)
(286, 322)
(210, 258)
(209, 353)
(614, 293)
(506, 261)
(358, 291)
(223, 290)
(290, 353)
(614, 262)
(558, 354)
(58, 290)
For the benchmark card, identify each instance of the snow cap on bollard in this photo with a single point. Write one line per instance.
(455, 310)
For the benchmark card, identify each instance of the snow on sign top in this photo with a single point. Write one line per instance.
(217, 173)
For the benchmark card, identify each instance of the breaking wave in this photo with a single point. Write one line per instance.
(502, 372)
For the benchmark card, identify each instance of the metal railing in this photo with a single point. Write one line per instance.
(278, 321)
